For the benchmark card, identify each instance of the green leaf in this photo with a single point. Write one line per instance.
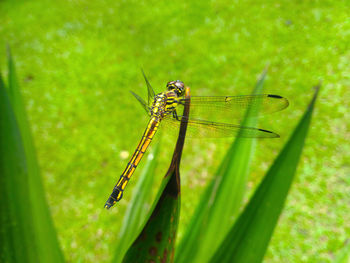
(248, 239)
(2, 83)
(222, 199)
(16, 225)
(156, 242)
(44, 235)
(137, 208)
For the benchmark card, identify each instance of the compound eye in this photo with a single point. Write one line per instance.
(170, 83)
(179, 84)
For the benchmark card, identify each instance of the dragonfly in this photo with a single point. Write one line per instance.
(166, 108)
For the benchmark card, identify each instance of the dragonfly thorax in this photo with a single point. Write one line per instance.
(164, 104)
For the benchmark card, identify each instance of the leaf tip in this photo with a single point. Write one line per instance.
(8, 51)
(266, 69)
(262, 75)
(317, 89)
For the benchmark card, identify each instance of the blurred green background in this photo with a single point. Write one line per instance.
(77, 61)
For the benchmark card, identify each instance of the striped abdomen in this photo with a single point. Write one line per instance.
(134, 161)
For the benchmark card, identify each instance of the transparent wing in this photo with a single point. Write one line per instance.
(150, 90)
(142, 102)
(208, 129)
(232, 108)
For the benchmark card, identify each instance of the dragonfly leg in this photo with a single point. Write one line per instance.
(180, 102)
(175, 115)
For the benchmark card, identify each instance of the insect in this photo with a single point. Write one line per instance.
(166, 107)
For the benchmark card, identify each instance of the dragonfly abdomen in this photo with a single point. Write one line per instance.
(146, 139)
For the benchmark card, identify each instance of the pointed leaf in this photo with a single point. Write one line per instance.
(16, 224)
(247, 241)
(222, 199)
(45, 234)
(157, 238)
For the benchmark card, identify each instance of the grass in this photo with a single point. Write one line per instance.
(77, 62)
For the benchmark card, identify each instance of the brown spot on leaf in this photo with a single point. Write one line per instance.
(159, 236)
(153, 251)
(172, 255)
(165, 255)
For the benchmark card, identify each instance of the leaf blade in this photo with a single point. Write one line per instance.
(222, 198)
(248, 239)
(15, 226)
(45, 233)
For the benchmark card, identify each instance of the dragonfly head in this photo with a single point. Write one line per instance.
(177, 86)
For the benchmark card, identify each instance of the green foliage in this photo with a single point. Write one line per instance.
(248, 239)
(222, 199)
(27, 232)
(28, 235)
(77, 61)
(156, 241)
(249, 236)
(15, 224)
